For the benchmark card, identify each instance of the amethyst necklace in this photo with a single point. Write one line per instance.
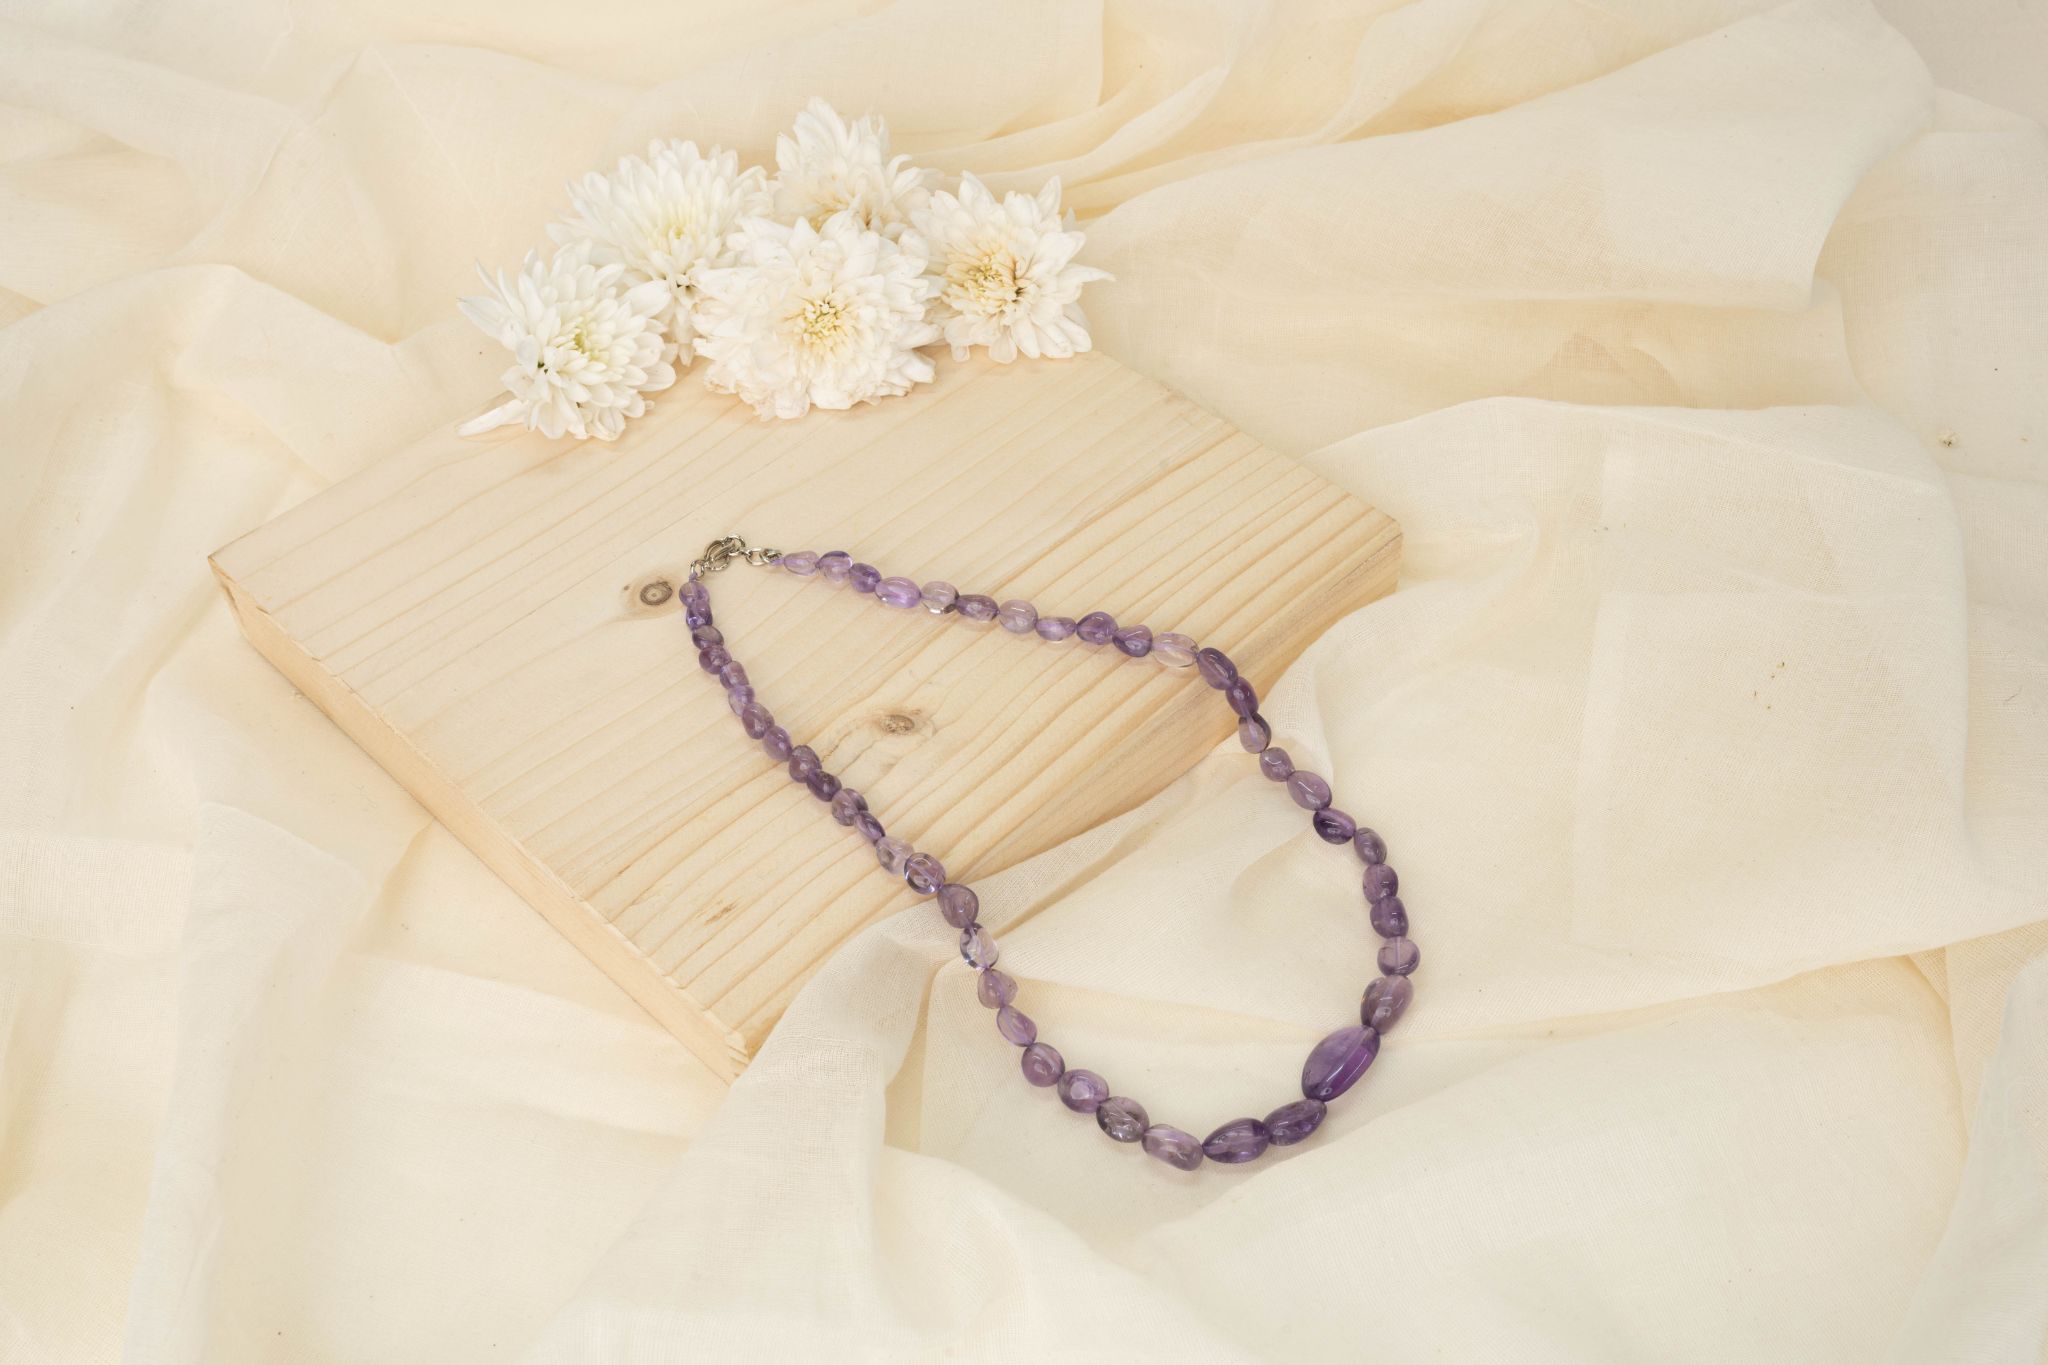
(1333, 1066)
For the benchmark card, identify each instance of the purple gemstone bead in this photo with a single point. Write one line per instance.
(978, 947)
(1015, 1025)
(802, 563)
(847, 804)
(705, 636)
(892, 853)
(697, 614)
(1054, 627)
(739, 698)
(1309, 791)
(1236, 1142)
(863, 577)
(1390, 918)
(938, 596)
(711, 658)
(995, 988)
(1122, 1118)
(1254, 734)
(1083, 1091)
(775, 743)
(1174, 649)
(1399, 956)
(1290, 1123)
(1017, 616)
(1242, 696)
(1042, 1064)
(1337, 1062)
(1217, 670)
(959, 905)
(1333, 826)
(823, 785)
(1381, 881)
(693, 593)
(1386, 1000)
(899, 592)
(1275, 764)
(733, 674)
(833, 565)
(803, 761)
(868, 826)
(1371, 848)
(1135, 641)
(924, 873)
(1182, 1151)
(975, 606)
(1096, 628)
(754, 718)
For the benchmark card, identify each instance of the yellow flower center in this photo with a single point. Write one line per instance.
(821, 322)
(986, 283)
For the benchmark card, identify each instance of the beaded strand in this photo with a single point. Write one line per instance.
(1334, 1065)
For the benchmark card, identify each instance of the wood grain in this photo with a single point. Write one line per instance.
(496, 623)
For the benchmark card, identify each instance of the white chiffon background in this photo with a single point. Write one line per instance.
(1697, 344)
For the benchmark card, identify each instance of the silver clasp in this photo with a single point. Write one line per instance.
(725, 549)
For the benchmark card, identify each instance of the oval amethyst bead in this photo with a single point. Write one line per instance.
(975, 606)
(1390, 918)
(705, 636)
(1236, 1142)
(1276, 765)
(898, 592)
(868, 826)
(1015, 1025)
(1054, 628)
(1217, 670)
(693, 593)
(938, 597)
(846, 804)
(1336, 1063)
(1399, 956)
(1386, 1000)
(892, 853)
(1096, 628)
(1242, 696)
(958, 904)
(1136, 641)
(978, 947)
(1017, 616)
(733, 674)
(925, 873)
(1122, 1118)
(833, 565)
(1371, 848)
(755, 720)
(803, 761)
(1309, 791)
(711, 658)
(775, 743)
(823, 785)
(1254, 734)
(1290, 1123)
(802, 563)
(696, 614)
(1381, 881)
(739, 698)
(1182, 1151)
(995, 988)
(1083, 1091)
(1042, 1064)
(863, 577)
(1173, 649)
(1333, 826)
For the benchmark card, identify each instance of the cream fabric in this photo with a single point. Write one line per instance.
(1697, 344)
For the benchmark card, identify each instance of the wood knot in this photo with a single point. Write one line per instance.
(654, 592)
(897, 723)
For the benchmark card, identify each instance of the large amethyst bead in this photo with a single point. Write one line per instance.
(1399, 956)
(1015, 1025)
(899, 592)
(1337, 1062)
(712, 658)
(776, 744)
(938, 597)
(846, 804)
(1386, 1000)
(995, 988)
(1333, 826)
(1371, 848)
(1122, 1118)
(1135, 641)
(803, 761)
(823, 785)
(1096, 628)
(868, 826)
(1217, 670)
(863, 577)
(705, 636)
(1390, 917)
(975, 606)
(802, 563)
(892, 853)
(978, 947)
(1017, 616)
(1309, 791)
(755, 720)
(1242, 696)
(924, 873)
(959, 905)
(1173, 649)
(1254, 734)
(1381, 881)
(1083, 1091)
(1290, 1123)
(833, 565)
(1276, 765)
(1054, 628)
(1182, 1151)
(1236, 1142)
(1042, 1064)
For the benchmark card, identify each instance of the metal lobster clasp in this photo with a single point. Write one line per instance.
(725, 549)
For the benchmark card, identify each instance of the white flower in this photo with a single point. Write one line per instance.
(1006, 273)
(585, 344)
(667, 217)
(828, 316)
(826, 167)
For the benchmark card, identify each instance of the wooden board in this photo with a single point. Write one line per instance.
(495, 621)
